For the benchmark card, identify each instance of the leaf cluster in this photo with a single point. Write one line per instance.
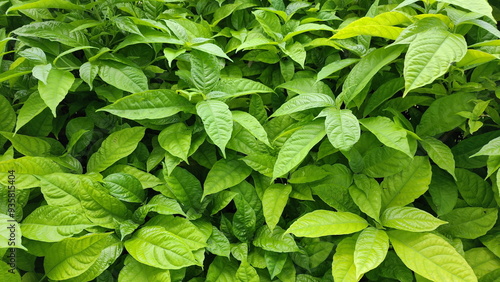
(249, 140)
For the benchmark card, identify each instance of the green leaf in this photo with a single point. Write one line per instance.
(115, 147)
(149, 36)
(225, 174)
(244, 220)
(383, 92)
(126, 24)
(10, 233)
(204, 71)
(134, 270)
(269, 22)
(217, 120)
(481, 6)
(159, 204)
(384, 161)
(152, 104)
(64, 189)
(246, 273)
(469, 222)
(28, 145)
(307, 86)
(474, 190)
(487, 26)
(172, 54)
(424, 253)
(483, 262)
(429, 56)
(147, 180)
(185, 187)
(58, 84)
(257, 108)
(304, 102)
(221, 200)
(30, 109)
(403, 188)
(343, 267)
(193, 235)
(45, 4)
(106, 258)
(263, 163)
(474, 58)
(342, 128)
(251, 124)
(274, 240)
(317, 252)
(297, 146)
(229, 87)
(370, 250)
(306, 28)
(176, 139)
(296, 52)
(7, 75)
(124, 77)
(34, 54)
(218, 244)
(445, 110)
(225, 11)
(365, 69)
(409, 219)
(102, 208)
(307, 174)
(7, 273)
(88, 72)
(288, 273)
(41, 72)
(7, 114)
(154, 246)
(124, 187)
(240, 251)
(73, 256)
(382, 25)
(274, 202)
(211, 49)
(275, 263)
(323, 223)
(291, 8)
(443, 191)
(367, 194)
(439, 153)
(339, 180)
(490, 149)
(334, 67)
(493, 164)
(388, 132)
(222, 269)
(53, 224)
(26, 168)
(54, 31)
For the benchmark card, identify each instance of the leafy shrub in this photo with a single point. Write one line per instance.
(249, 140)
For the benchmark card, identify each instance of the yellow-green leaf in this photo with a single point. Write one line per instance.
(430, 55)
(410, 219)
(324, 223)
(274, 202)
(116, 146)
(425, 253)
(370, 250)
(343, 267)
(382, 25)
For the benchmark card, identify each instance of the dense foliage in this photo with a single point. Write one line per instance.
(249, 140)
